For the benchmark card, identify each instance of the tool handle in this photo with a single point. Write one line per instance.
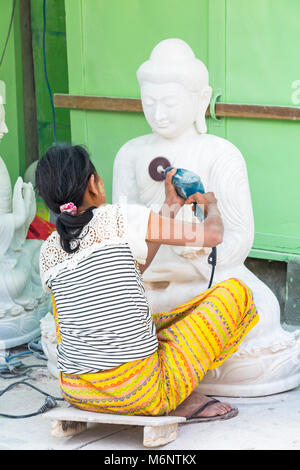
(198, 212)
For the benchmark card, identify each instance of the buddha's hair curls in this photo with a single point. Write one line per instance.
(62, 176)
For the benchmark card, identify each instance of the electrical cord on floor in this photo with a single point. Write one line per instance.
(35, 347)
(11, 366)
(50, 401)
(18, 372)
(14, 375)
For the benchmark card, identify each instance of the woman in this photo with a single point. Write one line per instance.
(114, 355)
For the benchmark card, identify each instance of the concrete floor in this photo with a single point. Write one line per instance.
(271, 423)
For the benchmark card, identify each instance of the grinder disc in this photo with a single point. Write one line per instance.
(154, 166)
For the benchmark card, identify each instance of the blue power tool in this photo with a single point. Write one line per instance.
(186, 183)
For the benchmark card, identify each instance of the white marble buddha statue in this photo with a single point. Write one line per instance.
(22, 300)
(175, 94)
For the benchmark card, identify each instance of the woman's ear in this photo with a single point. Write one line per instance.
(96, 189)
(93, 186)
(204, 100)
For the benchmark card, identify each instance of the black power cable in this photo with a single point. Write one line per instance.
(50, 401)
(212, 259)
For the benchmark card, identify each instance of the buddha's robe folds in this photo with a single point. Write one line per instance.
(222, 169)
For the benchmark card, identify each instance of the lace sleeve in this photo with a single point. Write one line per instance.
(108, 223)
(49, 257)
(136, 218)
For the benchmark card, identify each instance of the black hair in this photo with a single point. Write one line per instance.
(62, 176)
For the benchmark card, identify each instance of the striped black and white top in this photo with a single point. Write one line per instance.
(104, 316)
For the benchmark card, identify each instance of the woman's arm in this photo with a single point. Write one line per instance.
(164, 229)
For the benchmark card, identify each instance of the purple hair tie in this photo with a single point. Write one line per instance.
(69, 207)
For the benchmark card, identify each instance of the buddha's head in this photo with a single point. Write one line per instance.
(174, 89)
(3, 127)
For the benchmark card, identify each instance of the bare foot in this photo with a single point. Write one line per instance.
(195, 401)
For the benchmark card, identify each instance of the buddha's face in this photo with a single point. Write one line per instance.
(3, 127)
(169, 108)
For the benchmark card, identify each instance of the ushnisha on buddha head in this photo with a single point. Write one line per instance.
(175, 89)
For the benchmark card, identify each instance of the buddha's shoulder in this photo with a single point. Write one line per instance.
(137, 143)
(218, 143)
(219, 149)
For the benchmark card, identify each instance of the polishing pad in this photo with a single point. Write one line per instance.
(156, 167)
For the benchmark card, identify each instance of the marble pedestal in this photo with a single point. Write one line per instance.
(20, 324)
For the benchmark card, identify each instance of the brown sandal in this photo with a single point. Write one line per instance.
(193, 418)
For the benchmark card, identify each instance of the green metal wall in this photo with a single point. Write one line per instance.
(251, 50)
(12, 146)
(106, 43)
(262, 51)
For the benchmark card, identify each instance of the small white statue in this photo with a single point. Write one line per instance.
(175, 94)
(22, 300)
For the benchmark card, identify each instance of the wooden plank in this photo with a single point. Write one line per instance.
(257, 111)
(69, 421)
(98, 103)
(104, 103)
(70, 413)
(67, 428)
(159, 435)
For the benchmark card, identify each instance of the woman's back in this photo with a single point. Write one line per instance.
(104, 316)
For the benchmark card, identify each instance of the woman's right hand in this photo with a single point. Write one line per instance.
(171, 196)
